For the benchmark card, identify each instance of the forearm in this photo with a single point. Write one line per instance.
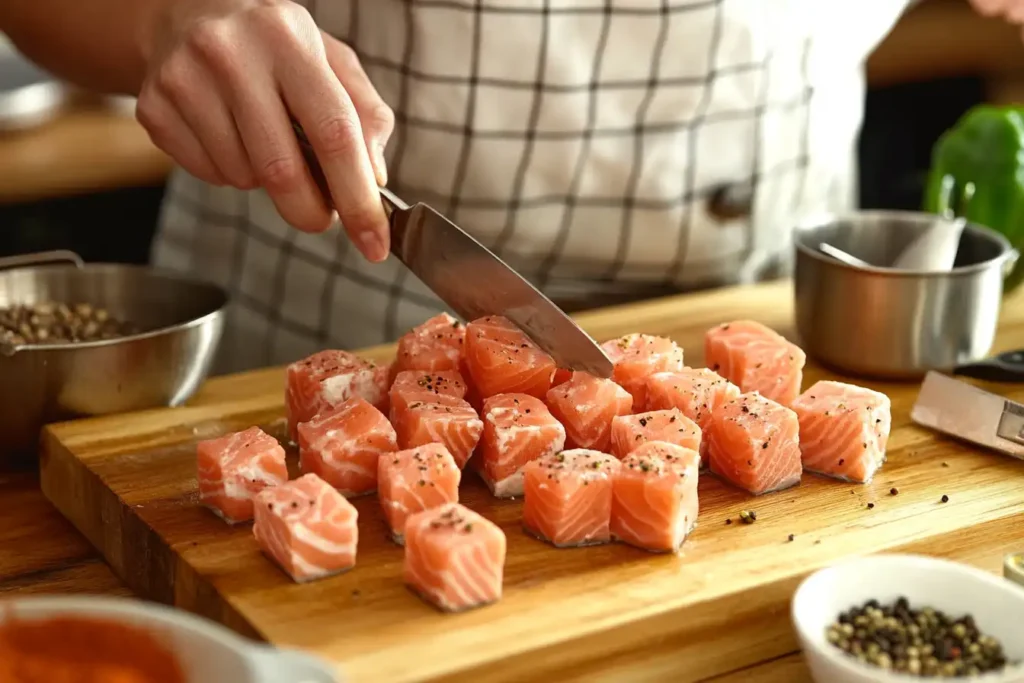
(98, 44)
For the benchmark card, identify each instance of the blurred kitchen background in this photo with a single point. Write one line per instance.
(90, 180)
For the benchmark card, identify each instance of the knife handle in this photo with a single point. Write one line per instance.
(1006, 367)
(389, 199)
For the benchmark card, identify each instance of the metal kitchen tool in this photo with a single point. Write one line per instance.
(182, 321)
(474, 282)
(841, 255)
(934, 249)
(1005, 367)
(890, 323)
(964, 411)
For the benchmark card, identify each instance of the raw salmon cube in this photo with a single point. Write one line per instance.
(517, 429)
(694, 391)
(754, 444)
(844, 430)
(435, 345)
(568, 497)
(231, 470)
(629, 432)
(414, 480)
(501, 359)
(454, 558)
(342, 445)
(429, 408)
(756, 358)
(327, 379)
(637, 357)
(561, 376)
(307, 528)
(446, 382)
(654, 497)
(585, 405)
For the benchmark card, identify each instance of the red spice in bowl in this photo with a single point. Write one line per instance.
(83, 650)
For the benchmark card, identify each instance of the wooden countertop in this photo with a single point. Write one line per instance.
(89, 148)
(49, 556)
(43, 553)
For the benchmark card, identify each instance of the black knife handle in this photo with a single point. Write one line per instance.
(314, 166)
(1006, 367)
(391, 202)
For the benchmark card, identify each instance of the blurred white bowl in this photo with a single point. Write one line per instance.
(208, 652)
(996, 604)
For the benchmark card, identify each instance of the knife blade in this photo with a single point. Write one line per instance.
(966, 412)
(473, 281)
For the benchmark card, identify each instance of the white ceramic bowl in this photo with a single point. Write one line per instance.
(996, 604)
(208, 652)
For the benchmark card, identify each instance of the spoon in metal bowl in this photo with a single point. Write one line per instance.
(840, 255)
(934, 250)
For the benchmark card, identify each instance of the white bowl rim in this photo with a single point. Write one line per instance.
(151, 612)
(160, 615)
(850, 666)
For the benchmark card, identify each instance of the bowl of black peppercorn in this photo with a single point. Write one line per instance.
(897, 618)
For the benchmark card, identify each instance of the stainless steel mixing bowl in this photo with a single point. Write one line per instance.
(183, 320)
(890, 323)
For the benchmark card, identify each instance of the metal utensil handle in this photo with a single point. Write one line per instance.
(391, 201)
(840, 255)
(41, 258)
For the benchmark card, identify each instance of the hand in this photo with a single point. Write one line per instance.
(1011, 10)
(222, 78)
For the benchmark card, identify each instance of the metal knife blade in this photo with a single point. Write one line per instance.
(964, 411)
(474, 282)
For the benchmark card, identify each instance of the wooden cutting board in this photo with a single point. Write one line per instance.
(601, 613)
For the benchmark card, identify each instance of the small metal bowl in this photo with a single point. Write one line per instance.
(182, 319)
(892, 323)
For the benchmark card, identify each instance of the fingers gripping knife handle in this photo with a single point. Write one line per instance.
(390, 201)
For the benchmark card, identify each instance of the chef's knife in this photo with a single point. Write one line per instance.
(474, 282)
(964, 411)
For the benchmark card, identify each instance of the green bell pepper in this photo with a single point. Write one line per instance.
(978, 172)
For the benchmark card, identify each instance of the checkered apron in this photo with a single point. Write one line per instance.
(604, 148)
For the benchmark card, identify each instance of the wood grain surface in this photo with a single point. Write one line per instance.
(44, 554)
(603, 613)
(87, 148)
(40, 551)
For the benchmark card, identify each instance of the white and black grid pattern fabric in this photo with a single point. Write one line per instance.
(580, 140)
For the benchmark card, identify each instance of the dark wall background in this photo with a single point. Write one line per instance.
(901, 124)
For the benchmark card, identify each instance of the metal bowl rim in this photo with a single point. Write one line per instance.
(1008, 252)
(150, 334)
